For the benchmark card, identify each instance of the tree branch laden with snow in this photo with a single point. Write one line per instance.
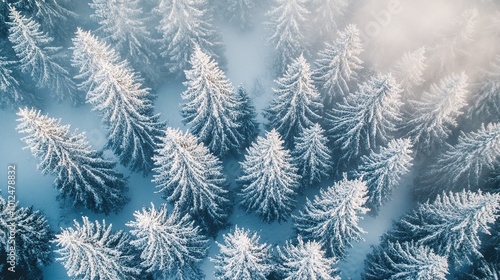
(93, 251)
(125, 105)
(332, 217)
(189, 175)
(241, 257)
(83, 175)
(171, 246)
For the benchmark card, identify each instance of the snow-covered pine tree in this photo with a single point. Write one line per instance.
(247, 121)
(123, 25)
(453, 42)
(12, 93)
(189, 175)
(485, 98)
(327, 14)
(184, 25)
(93, 251)
(464, 165)
(39, 59)
(405, 260)
(288, 21)
(32, 236)
(337, 66)
(125, 105)
(296, 102)
(305, 261)
(383, 170)
(239, 12)
(241, 257)
(269, 180)
(312, 155)
(434, 115)
(55, 17)
(451, 225)
(83, 175)
(332, 217)
(211, 108)
(171, 246)
(409, 70)
(367, 118)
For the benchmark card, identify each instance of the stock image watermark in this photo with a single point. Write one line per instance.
(380, 20)
(11, 210)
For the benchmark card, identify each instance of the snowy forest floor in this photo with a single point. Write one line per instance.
(248, 61)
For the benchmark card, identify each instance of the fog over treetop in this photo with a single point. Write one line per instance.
(391, 28)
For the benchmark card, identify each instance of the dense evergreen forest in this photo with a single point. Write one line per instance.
(278, 167)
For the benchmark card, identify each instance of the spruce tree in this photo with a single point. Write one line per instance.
(288, 26)
(269, 180)
(409, 70)
(248, 125)
(485, 97)
(296, 103)
(55, 16)
(405, 260)
(337, 66)
(171, 246)
(31, 245)
(93, 251)
(332, 217)
(465, 164)
(12, 92)
(38, 58)
(312, 155)
(367, 118)
(451, 225)
(83, 176)
(211, 109)
(184, 25)
(327, 15)
(383, 170)
(123, 24)
(189, 175)
(239, 13)
(125, 105)
(436, 112)
(305, 261)
(241, 257)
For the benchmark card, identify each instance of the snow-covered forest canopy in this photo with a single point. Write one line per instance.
(249, 139)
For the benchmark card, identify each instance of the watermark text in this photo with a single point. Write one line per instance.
(11, 210)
